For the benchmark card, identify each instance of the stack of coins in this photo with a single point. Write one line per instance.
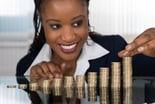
(11, 86)
(104, 77)
(69, 86)
(22, 86)
(127, 95)
(57, 86)
(46, 86)
(80, 86)
(92, 79)
(116, 75)
(34, 86)
(104, 84)
(92, 86)
(116, 82)
(127, 72)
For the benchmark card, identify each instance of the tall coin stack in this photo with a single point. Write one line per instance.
(69, 86)
(80, 86)
(116, 82)
(127, 72)
(92, 86)
(104, 84)
(116, 75)
(57, 86)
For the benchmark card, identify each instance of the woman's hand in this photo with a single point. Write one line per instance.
(144, 43)
(46, 70)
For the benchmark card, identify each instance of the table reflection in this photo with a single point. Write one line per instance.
(71, 94)
(44, 92)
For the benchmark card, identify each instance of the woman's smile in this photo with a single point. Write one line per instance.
(68, 48)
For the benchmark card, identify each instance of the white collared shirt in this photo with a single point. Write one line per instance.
(89, 52)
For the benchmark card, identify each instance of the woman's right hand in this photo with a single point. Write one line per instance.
(46, 70)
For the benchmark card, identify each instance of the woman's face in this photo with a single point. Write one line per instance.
(65, 23)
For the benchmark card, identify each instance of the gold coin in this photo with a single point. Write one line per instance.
(11, 86)
(22, 86)
(34, 86)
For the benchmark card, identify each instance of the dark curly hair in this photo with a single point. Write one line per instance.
(39, 38)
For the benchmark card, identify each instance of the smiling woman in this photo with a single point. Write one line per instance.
(126, 17)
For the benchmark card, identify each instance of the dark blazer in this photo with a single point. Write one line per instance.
(142, 65)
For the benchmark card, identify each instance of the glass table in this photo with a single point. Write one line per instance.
(18, 90)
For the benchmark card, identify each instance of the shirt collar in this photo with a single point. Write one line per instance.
(91, 50)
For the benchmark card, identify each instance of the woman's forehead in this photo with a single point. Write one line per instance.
(62, 4)
(44, 3)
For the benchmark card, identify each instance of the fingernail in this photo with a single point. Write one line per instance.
(125, 53)
(128, 47)
(140, 49)
(120, 54)
(57, 75)
(50, 76)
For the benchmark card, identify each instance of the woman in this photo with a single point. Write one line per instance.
(63, 44)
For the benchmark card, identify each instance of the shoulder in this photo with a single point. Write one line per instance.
(110, 42)
(113, 43)
(24, 63)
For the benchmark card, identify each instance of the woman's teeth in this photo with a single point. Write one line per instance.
(68, 46)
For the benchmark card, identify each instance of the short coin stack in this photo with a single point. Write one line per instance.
(34, 86)
(80, 86)
(23, 86)
(57, 86)
(104, 84)
(92, 86)
(116, 82)
(46, 86)
(69, 86)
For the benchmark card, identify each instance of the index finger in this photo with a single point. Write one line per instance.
(55, 70)
(140, 41)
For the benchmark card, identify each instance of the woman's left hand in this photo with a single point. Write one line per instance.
(144, 44)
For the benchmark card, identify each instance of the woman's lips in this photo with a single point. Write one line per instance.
(68, 48)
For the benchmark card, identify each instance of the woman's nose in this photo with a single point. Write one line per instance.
(68, 34)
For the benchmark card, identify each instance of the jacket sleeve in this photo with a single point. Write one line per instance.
(114, 44)
(25, 62)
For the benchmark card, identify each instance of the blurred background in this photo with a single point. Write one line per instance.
(128, 18)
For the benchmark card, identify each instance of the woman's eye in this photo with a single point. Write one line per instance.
(77, 24)
(55, 26)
